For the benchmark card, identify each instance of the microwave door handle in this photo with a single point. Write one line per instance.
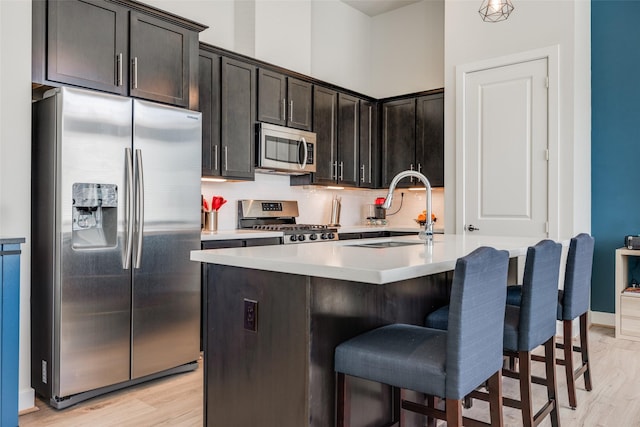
(306, 152)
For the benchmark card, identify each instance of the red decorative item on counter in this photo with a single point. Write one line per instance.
(216, 203)
(380, 200)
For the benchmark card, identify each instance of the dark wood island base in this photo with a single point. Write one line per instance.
(281, 374)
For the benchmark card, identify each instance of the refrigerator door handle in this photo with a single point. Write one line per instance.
(139, 207)
(129, 218)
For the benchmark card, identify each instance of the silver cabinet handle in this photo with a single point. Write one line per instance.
(290, 111)
(135, 72)
(129, 215)
(470, 227)
(284, 109)
(363, 177)
(334, 170)
(411, 178)
(225, 158)
(341, 171)
(419, 167)
(119, 71)
(140, 207)
(215, 157)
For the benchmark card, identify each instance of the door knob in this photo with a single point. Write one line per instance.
(470, 227)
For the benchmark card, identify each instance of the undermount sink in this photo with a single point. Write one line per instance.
(380, 245)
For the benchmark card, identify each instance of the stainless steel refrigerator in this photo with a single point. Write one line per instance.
(116, 200)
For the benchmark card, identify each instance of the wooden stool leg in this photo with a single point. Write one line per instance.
(525, 388)
(344, 402)
(454, 412)
(584, 350)
(431, 403)
(552, 386)
(494, 388)
(568, 362)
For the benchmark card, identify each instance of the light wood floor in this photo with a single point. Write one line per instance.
(177, 400)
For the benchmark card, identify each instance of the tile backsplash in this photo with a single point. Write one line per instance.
(314, 202)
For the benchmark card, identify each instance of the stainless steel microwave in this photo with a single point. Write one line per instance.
(285, 150)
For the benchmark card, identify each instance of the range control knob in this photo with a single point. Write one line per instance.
(301, 238)
(313, 236)
(293, 238)
(331, 236)
(323, 236)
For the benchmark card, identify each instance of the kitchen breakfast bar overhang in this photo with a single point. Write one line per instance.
(273, 316)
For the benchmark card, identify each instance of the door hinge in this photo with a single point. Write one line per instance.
(546, 82)
(546, 154)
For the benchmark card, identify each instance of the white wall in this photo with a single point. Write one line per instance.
(282, 33)
(15, 159)
(533, 25)
(341, 45)
(407, 52)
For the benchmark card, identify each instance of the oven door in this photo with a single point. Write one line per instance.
(286, 150)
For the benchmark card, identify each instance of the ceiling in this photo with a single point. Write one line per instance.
(377, 7)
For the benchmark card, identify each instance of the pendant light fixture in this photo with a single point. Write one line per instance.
(495, 10)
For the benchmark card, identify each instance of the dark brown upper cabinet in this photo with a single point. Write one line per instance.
(325, 119)
(283, 100)
(209, 101)
(335, 122)
(348, 142)
(368, 172)
(237, 119)
(413, 139)
(121, 47)
(430, 138)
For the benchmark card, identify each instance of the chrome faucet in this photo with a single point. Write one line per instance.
(427, 233)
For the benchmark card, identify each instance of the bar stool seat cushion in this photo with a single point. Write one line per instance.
(405, 356)
(438, 319)
(511, 328)
(514, 297)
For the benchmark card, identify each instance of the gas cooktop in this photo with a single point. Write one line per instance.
(280, 215)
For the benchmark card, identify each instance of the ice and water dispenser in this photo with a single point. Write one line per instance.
(95, 219)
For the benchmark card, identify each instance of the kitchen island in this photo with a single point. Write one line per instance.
(274, 315)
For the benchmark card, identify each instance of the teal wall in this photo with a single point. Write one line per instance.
(615, 138)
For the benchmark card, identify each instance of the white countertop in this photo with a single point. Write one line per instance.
(344, 260)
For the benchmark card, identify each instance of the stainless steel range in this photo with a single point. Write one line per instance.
(280, 215)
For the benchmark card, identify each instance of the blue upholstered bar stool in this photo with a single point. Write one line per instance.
(447, 364)
(528, 326)
(573, 302)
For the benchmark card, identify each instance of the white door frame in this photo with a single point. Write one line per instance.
(552, 54)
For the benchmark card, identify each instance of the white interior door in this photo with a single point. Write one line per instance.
(505, 160)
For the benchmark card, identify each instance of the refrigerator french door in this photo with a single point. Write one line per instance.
(116, 211)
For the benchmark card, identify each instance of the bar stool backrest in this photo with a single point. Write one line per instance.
(476, 320)
(577, 277)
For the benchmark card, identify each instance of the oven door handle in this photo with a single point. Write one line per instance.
(306, 152)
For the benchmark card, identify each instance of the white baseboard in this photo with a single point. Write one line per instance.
(602, 318)
(26, 399)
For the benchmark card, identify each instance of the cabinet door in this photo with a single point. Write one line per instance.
(160, 67)
(325, 104)
(87, 44)
(209, 96)
(299, 98)
(238, 106)
(398, 138)
(272, 97)
(430, 138)
(348, 143)
(368, 166)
